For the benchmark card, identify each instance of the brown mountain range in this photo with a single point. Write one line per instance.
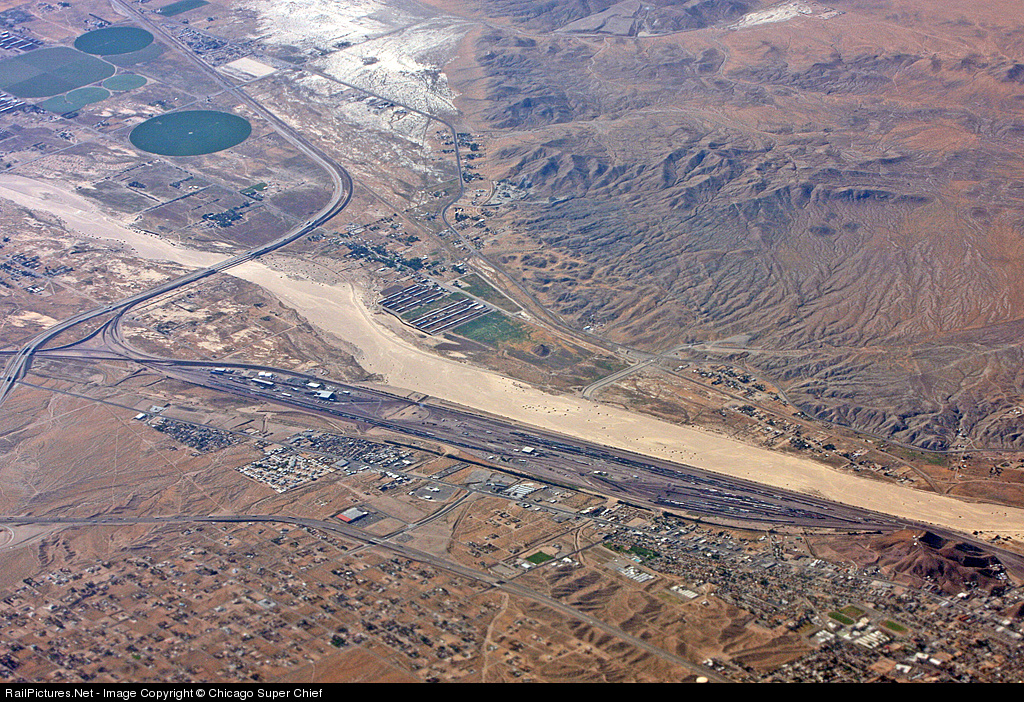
(840, 194)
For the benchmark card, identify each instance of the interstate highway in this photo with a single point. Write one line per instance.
(525, 450)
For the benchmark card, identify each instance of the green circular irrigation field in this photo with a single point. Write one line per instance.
(110, 41)
(51, 71)
(74, 100)
(125, 81)
(190, 133)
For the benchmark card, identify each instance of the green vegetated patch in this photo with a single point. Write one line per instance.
(935, 459)
(851, 611)
(539, 557)
(74, 100)
(52, 71)
(114, 40)
(176, 8)
(893, 626)
(494, 329)
(478, 287)
(636, 550)
(555, 361)
(190, 133)
(417, 312)
(841, 618)
(124, 81)
(252, 189)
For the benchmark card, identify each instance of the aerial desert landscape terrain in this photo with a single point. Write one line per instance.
(498, 341)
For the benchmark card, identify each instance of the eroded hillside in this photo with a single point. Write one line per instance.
(837, 194)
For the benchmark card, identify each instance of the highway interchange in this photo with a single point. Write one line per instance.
(418, 421)
(550, 457)
(524, 450)
(555, 458)
(490, 439)
(17, 365)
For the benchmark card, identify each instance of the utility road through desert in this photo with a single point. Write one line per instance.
(340, 309)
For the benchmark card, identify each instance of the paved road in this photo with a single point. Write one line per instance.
(588, 392)
(548, 456)
(356, 534)
(554, 457)
(18, 364)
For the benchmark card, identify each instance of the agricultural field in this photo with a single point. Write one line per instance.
(478, 287)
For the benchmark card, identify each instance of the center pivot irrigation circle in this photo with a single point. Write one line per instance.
(190, 133)
(111, 41)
